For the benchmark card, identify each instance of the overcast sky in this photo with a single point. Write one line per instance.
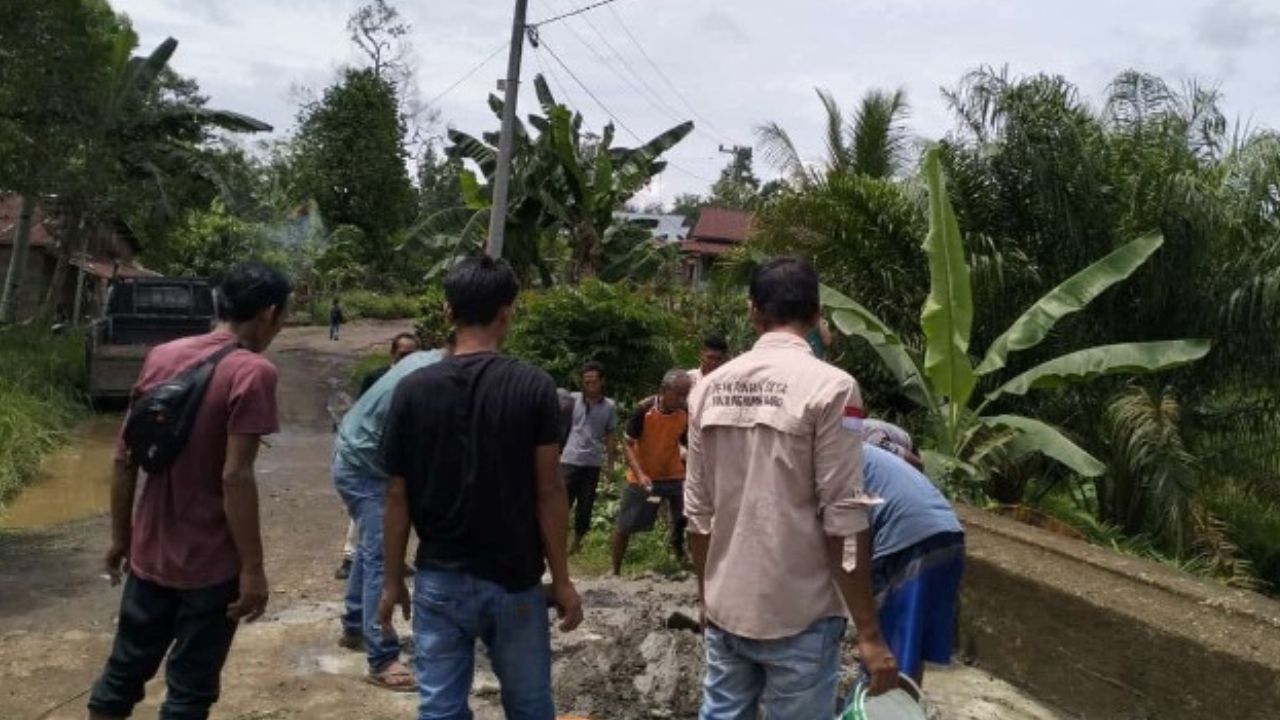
(737, 63)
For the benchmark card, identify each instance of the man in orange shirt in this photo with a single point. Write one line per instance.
(657, 431)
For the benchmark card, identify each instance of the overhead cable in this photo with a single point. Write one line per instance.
(573, 13)
(710, 125)
(470, 73)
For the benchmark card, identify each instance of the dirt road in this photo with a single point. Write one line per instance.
(56, 614)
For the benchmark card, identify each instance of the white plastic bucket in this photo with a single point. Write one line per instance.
(907, 702)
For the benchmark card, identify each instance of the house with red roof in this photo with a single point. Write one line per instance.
(108, 252)
(718, 232)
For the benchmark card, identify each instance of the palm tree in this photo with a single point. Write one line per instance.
(874, 144)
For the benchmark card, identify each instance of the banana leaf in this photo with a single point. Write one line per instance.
(1038, 437)
(947, 317)
(1125, 358)
(1070, 297)
(851, 318)
(469, 148)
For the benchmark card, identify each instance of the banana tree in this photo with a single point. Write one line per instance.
(562, 179)
(597, 177)
(965, 438)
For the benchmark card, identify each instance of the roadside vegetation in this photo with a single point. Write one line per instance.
(1073, 304)
(40, 377)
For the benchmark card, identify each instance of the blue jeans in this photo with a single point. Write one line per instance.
(793, 678)
(451, 610)
(365, 497)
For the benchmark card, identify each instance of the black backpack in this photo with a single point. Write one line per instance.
(160, 421)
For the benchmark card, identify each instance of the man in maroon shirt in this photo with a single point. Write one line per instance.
(192, 545)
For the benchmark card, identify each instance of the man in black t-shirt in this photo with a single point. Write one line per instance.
(472, 447)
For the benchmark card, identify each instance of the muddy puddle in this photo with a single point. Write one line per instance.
(75, 481)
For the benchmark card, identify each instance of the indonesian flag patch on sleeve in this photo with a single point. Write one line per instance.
(853, 417)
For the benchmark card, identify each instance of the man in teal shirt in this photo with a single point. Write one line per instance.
(362, 483)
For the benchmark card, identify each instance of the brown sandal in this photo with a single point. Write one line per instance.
(394, 677)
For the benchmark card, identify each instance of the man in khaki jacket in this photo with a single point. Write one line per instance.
(773, 492)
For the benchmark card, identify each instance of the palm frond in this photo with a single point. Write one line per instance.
(879, 133)
(839, 158)
(776, 146)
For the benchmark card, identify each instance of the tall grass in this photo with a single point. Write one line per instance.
(41, 377)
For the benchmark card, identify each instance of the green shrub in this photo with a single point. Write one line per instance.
(40, 400)
(633, 336)
(362, 305)
(1254, 527)
(433, 323)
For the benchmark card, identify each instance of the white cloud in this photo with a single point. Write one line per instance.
(739, 63)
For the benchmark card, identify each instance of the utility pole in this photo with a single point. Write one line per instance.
(506, 142)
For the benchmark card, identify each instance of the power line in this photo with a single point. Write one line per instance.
(612, 115)
(661, 74)
(579, 11)
(555, 79)
(646, 91)
(470, 73)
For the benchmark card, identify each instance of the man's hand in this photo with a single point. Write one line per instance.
(254, 593)
(568, 605)
(879, 662)
(393, 594)
(645, 481)
(115, 561)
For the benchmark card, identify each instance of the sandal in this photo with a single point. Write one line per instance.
(394, 677)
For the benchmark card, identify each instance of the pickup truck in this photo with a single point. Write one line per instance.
(140, 314)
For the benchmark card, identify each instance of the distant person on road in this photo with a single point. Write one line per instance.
(715, 352)
(336, 319)
(654, 443)
(191, 541)
(589, 444)
(774, 494)
(402, 346)
(917, 559)
(472, 448)
(361, 481)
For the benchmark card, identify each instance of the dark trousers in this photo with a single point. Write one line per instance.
(581, 483)
(191, 626)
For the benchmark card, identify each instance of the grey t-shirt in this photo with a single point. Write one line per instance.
(592, 423)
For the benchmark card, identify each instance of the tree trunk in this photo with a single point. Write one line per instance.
(17, 262)
(587, 252)
(71, 241)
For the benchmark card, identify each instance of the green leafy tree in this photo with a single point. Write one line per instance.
(738, 187)
(688, 205)
(351, 160)
(439, 181)
(54, 57)
(965, 439)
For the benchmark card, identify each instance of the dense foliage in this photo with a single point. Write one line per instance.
(1044, 185)
(562, 328)
(40, 377)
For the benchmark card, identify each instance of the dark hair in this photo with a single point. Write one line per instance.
(451, 339)
(591, 366)
(715, 342)
(785, 290)
(477, 288)
(395, 341)
(248, 289)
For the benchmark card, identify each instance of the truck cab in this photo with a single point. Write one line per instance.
(140, 314)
